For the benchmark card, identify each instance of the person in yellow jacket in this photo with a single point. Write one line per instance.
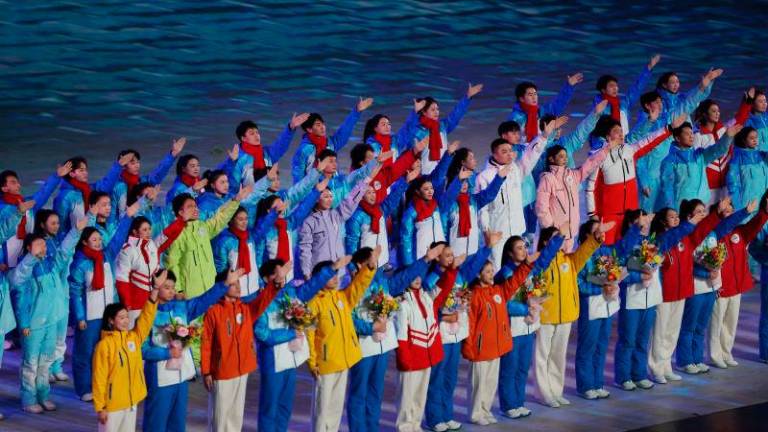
(333, 343)
(558, 312)
(118, 367)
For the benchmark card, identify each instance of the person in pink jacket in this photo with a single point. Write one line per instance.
(557, 197)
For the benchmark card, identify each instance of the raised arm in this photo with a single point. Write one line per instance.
(547, 254)
(198, 305)
(393, 199)
(725, 226)
(404, 137)
(146, 318)
(452, 121)
(221, 218)
(646, 144)
(262, 301)
(296, 193)
(46, 190)
(474, 263)
(118, 239)
(513, 283)
(107, 183)
(672, 237)
(487, 195)
(718, 150)
(161, 170)
(448, 199)
(356, 289)
(584, 252)
(560, 103)
(311, 287)
(278, 148)
(349, 204)
(406, 240)
(342, 134)
(532, 154)
(636, 89)
(401, 280)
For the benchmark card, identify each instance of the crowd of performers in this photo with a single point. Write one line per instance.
(421, 248)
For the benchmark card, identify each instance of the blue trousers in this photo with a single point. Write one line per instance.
(513, 372)
(631, 356)
(763, 329)
(442, 383)
(529, 213)
(37, 357)
(276, 394)
(696, 316)
(591, 347)
(85, 342)
(61, 346)
(165, 408)
(366, 390)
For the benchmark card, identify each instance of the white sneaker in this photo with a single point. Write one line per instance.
(524, 412)
(552, 403)
(481, 422)
(602, 393)
(453, 425)
(644, 384)
(628, 386)
(33, 409)
(673, 377)
(513, 413)
(702, 367)
(590, 395)
(49, 406)
(691, 369)
(660, 379)
(719, 364)
(563, 401)
(491, 419)
(60, 376)
(440, 427)
(731, 362)
(88, 397)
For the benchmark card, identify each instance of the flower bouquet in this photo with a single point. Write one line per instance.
(179, 336)
(607, 271)
(297, 316)
(535, 289)
(646, 256)
(711, 254)
(380, 305)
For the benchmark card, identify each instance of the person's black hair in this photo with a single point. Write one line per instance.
(320, 266)
(648, 98)
(310, 121)
(428, 102)
(687, 207)
(86, 234)
(459, 157)
(5, 175)
(523, 87)
(178, 202)
(269, 266)
(362, 255)
(29, 239)
(136, 192)
(240, 209)
(326, 153)
(438, 243)
(740, 140)
(415, 185)
(604, 125)
(137, 222)
(508, 126)
(544, 236)
(169, 275)
(498, 142)
(676, 132)
(357, 154)
(183, 162)
(664, 79)
(551, 153)
(265, 205)
(659, 222)
(604, 80)
(758, 92)
(630, 216)
(41, 218)
(702, 111)
(110, 312)
(212, 176)
(77, 161)
(243, 127)
(509, 246)
(546, 118)
(370, 126)
(95, 196)
(586, 229)
(258, 173)
(136, 153)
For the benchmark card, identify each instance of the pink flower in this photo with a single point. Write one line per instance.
(182, 332)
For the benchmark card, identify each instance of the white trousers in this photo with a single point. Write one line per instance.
(551, 347)
(413, 398)
(120, 421)
(226, 404)
(485, 380)
(666, 330)
(722, 328)
(329, 401)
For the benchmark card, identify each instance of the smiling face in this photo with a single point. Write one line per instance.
(383, 127)
(446, 257)
(80, 173)
(531, 96)
(470, 162)
(192, 168)
(318, 128)
(331, 166)
(52, 225)
(761, 103)
(104, 207)
(672, 219)
(370, 196)
(189, 210)
(685, 139)
(144, 231)
(326, 200)
(713, 114)
(616, 134)
(657, 104)
(559, 159)
(239, 221)
(519, 252)
(221, 185)
(94, 241)
(426, 191)
(121, 321)
(433, 112)
(167, 291)
(487, 273)
(252, 137)
(700, 210)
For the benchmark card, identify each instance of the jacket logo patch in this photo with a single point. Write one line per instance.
(681, 246)
(735, 239)
(340, 304)
(564, 267)
(497, 298)
(201, 232)
(239, 318)
(131, 346)
(377, 185)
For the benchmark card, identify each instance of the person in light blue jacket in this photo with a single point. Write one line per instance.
(758, 117)
(39, 283)
(378, 133)
(280, 349)
(683, 171)
(747, 176)
(341, 184)
(218, 192)
(187, 179)
(90, 291)
(527, 105)
(315, 139)
(7, 319)
(130, 176)
(294, 195)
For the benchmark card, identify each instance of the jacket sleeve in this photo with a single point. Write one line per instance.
(278, 148)
(206, 344)
(474, 264)
(438, 175)
(751, 229)
(691, 100)
(517, 309)
(161, 170)
(304, 209)
(733, 183)
(301, 160)
(634, 92)
(361, 173)
(305, 248)
(362, 327)
(401, 166)
(108, 182)
(311, 287)
(76, 293)
(46, 190)
(220, 219)
(759, 248)
(458, 112)
(262, 301)
(575, 140)
(405, 134)
(487, 195)
(671, 238)
(445, 286)
(548, 254)
(512, 284)
(557, 106)
(447, 199)
(271, 337)
(718, 150)
(260, 189)
(586, 287)
(406, 240)
(117, 240)
(354, 231)
(626, 245)
(401, 280)
(393, 199)
(584, 252)
(532, 154)
(592, 163)
(356, 289)
(264, 225)
(645, 145)
(703, 228)
(100, 373)
(198, 305)
(297, 193)
(350, 203)
(340, 138)
(543, 194)
(725, 226)
(145, 320)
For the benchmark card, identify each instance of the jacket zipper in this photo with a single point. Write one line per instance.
(128, 363)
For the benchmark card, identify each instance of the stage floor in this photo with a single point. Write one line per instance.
(719, 390)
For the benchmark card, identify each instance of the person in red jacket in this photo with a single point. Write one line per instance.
(736, 279)
(676, 281)
(490, 335)
(227, 351)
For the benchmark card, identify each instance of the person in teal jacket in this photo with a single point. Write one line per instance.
(219, 191)
(7, 319)
(683, 171)
(747, 176)
(41, 290)
(758, 118)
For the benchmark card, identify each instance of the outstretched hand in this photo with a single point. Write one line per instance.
(575, 78)
(364, 104)
(472, 90)
(710, 76)
(433, 253)
(297, 120)
(654, 61)
(178, 145)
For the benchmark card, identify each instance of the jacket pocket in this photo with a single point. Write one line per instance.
(325, 352)
(109, 393)
(479, 342)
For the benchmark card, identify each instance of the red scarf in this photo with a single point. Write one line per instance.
(283, 246)
(143, 248)
(320, 142)
(188, 180)
(465, 220)
(712, 132)
(15, 200)
(84, 188)
(130, 180)
(386, 145)
(424, 209)
(374, 211)
(243, 253)
(435, 140)
(97, 257)
(615, 106)
(257, 152)
(531, 121)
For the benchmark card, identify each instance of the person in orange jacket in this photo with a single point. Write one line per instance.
(490, 336)
(227, 351)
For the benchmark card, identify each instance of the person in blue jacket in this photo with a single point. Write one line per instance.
(524, 321)
(71, 203)
(294, 195)
(758, 250)
(597, 305)
(378, 133)
(639, 294)
(670, 103)
(315, 139)
(527, 105)
(683, 171)
(758, 117)
(130, 176)
(218, 192)
(7, 319)
(39, 283)
(689, 353)
(747, 176)
(252, 155)
(341, 184)
(187, 179)
(165, 408)
(281, 349)
(377, 338)
(619, 107)
(87, 300)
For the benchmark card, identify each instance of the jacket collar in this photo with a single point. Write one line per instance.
(682, 154)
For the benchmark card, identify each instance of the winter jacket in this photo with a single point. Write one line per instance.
(210, 202)
(735, 274)
(69, 202)
(702, 281)
(747, 177)
(684, 172)
(555, 108)
(477, 201)
(759, 121)
(401, 141)
(242, 169)
(447, 125)
(628, 100)
(120, 191)
(7, 319)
